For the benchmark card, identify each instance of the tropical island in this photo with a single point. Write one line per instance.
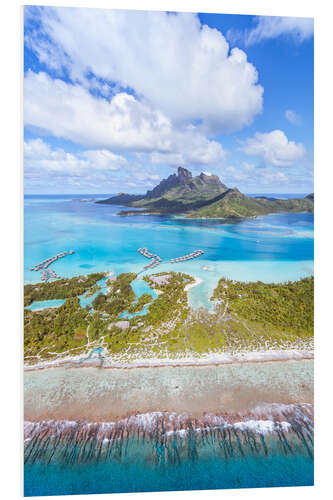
(159, 323)
(168, 293)
(204, 196)
(247, 317)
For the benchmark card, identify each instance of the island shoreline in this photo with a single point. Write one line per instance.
(74, 362)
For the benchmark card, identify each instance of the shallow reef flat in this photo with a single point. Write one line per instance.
(96, 430)
(104, 394)
(185, 398)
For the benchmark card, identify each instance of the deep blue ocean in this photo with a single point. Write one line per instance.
(114, 477)
(269, 248)
(66, 461)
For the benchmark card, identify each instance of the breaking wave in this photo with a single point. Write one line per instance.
(162, 437)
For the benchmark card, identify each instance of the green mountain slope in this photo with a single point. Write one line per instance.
(204, 196)
(175, 193)
(236, 205)
(121, 199)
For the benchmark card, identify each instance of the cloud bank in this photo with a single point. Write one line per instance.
(178, 66)
(274, 148)
(141, 92)
(46, 166)
(121, 123)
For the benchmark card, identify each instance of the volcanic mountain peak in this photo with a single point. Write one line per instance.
(183, 173)
(183, 184)
(204, 196)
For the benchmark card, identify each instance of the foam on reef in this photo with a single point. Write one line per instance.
(164, 437)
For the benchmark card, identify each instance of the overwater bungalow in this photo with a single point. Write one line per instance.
(192, 255)
(44, 264)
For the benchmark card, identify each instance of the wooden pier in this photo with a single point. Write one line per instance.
(47, 274)
(156, 260)
(193, 255)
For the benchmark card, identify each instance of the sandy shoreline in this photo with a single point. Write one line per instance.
(197, 281)
(210, 359)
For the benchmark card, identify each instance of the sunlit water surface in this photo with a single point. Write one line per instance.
(269, 248)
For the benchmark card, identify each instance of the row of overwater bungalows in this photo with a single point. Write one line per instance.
(190, 256)
(155, 259)
(47, 262)
(46, 273)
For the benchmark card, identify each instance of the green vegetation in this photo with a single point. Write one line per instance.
(92, 291)
(178, 193)
(68, 327)
(60, 289)
(248, 316)
(119, 297)
(234, 204)
(204, 332)
(160, 327)
(270, 314)
(56, 330)
(182, 191)
(172, 301)
(145, 298)
(287, 306)
(204, 196)
(252, 316)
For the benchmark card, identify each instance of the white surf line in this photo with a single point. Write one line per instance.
(139, 359)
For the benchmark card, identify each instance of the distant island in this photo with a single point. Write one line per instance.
(204, 196)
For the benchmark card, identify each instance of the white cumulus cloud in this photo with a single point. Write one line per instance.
(103, 159)
(180, 67)
(42, 162)
(274, 148)
(101, 170)
(253, 178)
(122, 123)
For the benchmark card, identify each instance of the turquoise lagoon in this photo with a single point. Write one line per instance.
(140, 287)
(38, 305)
(270, 248)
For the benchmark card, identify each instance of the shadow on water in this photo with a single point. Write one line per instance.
(164, 451)
(168, 438)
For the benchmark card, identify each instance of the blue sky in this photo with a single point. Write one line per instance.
(117, 100)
